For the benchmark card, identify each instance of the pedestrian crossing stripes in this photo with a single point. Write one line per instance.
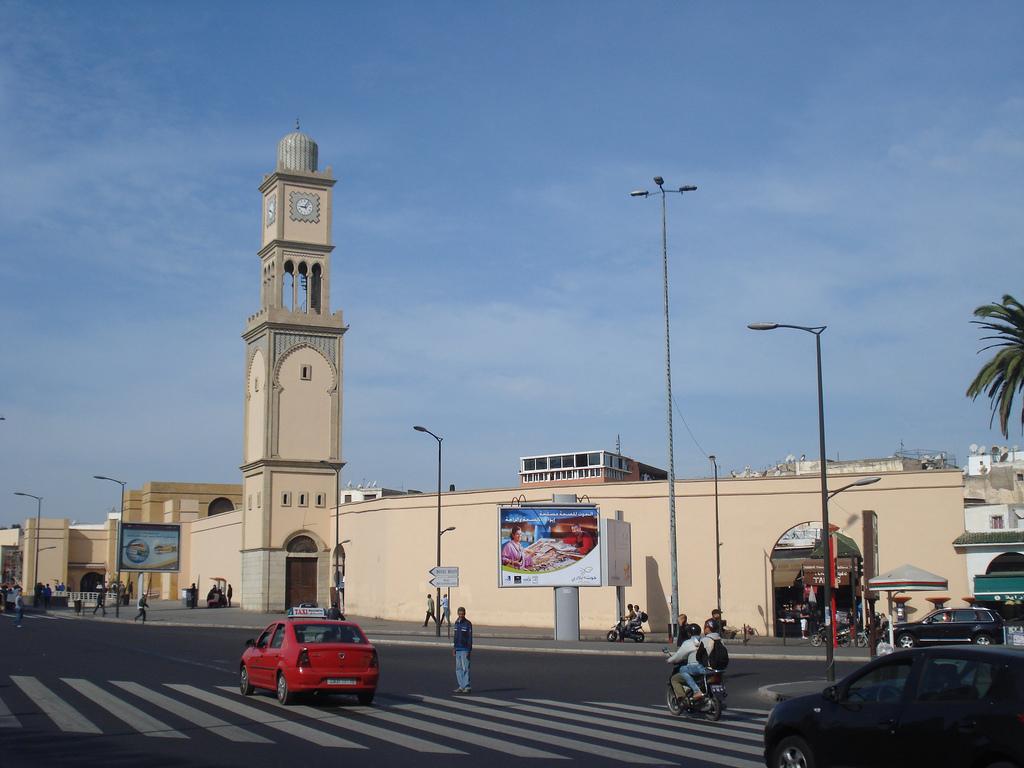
(419, 723)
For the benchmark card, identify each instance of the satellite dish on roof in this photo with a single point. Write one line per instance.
(974, 449)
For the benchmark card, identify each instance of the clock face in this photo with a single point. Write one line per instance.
(271, 210)
(304, 206)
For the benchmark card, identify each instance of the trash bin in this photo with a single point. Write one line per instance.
(78, 605)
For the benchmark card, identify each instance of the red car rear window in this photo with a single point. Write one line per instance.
(308, 634)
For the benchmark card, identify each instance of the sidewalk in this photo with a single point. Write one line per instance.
(171, 613)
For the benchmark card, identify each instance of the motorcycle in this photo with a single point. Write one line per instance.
(842, 637)
(711, 684)
(625, 630)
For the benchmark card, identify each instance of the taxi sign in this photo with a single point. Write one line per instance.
(307, 613)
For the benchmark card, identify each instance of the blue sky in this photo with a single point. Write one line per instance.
(859, 166)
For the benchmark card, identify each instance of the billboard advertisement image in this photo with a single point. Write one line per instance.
(150, 547)
(549, 546)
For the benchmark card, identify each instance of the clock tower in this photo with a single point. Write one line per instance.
(293, 386)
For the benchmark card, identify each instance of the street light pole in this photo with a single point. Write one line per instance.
(718, 541)
(39, 516)
(830, 662)
(437, 602)
(668, 389)
(336, 466)
(117, 602)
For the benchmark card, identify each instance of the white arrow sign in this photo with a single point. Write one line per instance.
(445, 576)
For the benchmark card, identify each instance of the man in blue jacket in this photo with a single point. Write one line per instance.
(463, 632)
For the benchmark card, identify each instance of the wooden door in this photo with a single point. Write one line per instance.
(300, 581)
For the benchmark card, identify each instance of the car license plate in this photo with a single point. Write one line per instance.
(341, 681)
(718, 689)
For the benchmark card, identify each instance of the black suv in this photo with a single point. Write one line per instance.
(926, 706)
(951, 625)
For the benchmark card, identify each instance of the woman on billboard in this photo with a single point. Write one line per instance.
(512, 553)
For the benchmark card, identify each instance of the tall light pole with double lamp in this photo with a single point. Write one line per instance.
(817, 330)
(39, 517)
(718, 542)
(117, 602)
(668, 387)
(336, 466)
(437, 602)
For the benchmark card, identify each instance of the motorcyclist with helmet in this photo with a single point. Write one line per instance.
(685, 658)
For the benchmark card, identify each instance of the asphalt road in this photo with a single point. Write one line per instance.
(79, 692)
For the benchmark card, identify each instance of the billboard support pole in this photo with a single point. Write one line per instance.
(567, 599)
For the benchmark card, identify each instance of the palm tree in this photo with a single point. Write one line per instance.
(1002, 377)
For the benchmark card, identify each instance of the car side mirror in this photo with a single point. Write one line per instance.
(250, 643)
(831, 693)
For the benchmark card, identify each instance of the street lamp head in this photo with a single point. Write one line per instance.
(449, 528)
(688, 188)
(762, 326)
(639, 193)
(867, 481)
(420, 429)
(346, 541)
(713, 458)
(659, 181)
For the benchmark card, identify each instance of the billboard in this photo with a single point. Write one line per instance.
(549, 546)
(149, 547)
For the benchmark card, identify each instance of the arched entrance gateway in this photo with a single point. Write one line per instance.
(300, 571)
(90, 582)
(798, 579)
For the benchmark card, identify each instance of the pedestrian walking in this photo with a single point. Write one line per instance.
(47, 594)
(193, 595)
(231, 593)
(142, 606)
(19, 608)
(446, 614)
(430, 610)
(463, 647)
(101, 599)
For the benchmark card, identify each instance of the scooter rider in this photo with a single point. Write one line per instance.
(685, 658)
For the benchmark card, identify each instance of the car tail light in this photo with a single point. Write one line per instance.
(304, 658)
(374, 663)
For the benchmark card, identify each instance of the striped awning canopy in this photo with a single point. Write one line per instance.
(907, 578)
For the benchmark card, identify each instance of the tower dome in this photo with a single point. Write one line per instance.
(297, 152)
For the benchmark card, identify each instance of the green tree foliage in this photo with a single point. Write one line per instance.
(1002, 377)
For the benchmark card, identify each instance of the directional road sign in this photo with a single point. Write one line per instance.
(445, 576)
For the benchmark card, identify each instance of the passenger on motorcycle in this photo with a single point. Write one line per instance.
(685, 658)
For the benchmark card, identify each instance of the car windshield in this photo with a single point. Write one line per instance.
(327, 633)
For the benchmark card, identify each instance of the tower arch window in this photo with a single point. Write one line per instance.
(303, 498)
(303, 304)
(286, 499)
(288, 286)
(316, 280)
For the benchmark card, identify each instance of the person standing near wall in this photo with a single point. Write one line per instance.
(231, 593)
(430, 610)
(463, 647)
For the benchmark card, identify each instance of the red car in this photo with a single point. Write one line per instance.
(307, 652)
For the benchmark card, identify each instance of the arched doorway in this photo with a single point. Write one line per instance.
(90, 582)
(798, 579)
(300, 571)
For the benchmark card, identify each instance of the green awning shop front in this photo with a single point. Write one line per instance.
(999, 587)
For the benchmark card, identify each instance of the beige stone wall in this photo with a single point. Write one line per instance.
(393, 545)
(212, 547)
